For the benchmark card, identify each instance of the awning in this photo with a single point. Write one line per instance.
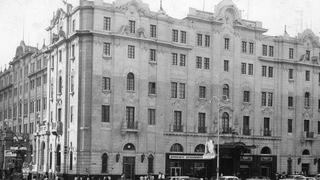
(233, 145)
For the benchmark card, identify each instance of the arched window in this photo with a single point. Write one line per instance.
(199, 148)
(265, 150)
(129, 147)
(58, 162)
(225, 91)
(130, 82)
(176, 148)
(306, 152)
(150, 163)
(225, 122)
(307, 99)
(104, 159)
(71, 160)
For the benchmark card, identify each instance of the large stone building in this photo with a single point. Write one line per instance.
(135, 91)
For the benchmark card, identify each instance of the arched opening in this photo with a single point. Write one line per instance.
(225, 91)
(129, 147)
(150, 163)
(307, 99)
(200, 148)
(104, 159)
(306, 152)
(58, 155)
(71, 160)
(176, 148)
(43, 146)
(265, 150)
(130, 81)
(225, 123)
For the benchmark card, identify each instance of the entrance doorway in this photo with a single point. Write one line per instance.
(265, 171)
(129, 167)
(175, 171)
(305, 168)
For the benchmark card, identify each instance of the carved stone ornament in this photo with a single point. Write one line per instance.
(267, 111)
(307, 114)
(124, 29)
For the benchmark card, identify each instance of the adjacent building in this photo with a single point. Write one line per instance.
(135, 91)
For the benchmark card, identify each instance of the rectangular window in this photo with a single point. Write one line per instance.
(105, 83)
(250, 69)
(105, 116)
(271, 51)
(226, 65)
(182, 90)
(264, 50)
(182, 60)
(307, 75)
(263, 99)
(177, 124)
(131, 52)
(152, 88)
(71, 113)
(132, 26)
(318, 127)
(60, 55)
(199, 39)
(290, 73)
(246, 126)
(318, 104)
(73, 25)
(290, 53)
(264, 71)
(44, 103)
(106, 49)
(266, 123)
(106, 23)
(153, 31)
(290, 101)
(199, 62)
(202, 122)
(207, 41)
(151, 116)
(246, 96)
(152, 55)
(251, 48)
(59, 115)
(206, 63)
(270, 72)
(183, 38)
(306, 127)
(244, 47)
(202, 92)
(72, 50)
(307, 55)
(174, 89)
(289, 125)
(226, 43)
(270, 98)
(243, 68)
(175, 35)
(174, 59)
(130, 117)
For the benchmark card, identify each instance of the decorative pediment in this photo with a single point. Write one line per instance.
(125, 5)
(228, 12)
(308, 35)
(56, 17)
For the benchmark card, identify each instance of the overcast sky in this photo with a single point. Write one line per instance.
(34, 16)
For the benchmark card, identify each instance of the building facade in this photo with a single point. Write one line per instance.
(135, 91)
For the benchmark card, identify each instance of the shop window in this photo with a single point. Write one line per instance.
(200, 148)
(265, 150)
(176, 148)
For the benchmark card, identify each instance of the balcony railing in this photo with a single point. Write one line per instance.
(175, 128)
(226, 130)
(56, 128)
(267, 132)
(202, 129)
(246, 131)
(132, 125)
(309, 134)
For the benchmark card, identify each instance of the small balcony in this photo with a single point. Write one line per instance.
(202, 129)
(227, 130)
(176, 128)
(130, 126)
(246, 131)
(308, 136)
(56, 128)
(266, 132)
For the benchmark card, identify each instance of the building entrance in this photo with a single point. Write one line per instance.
(175, 171)
(129, 167)
(265, 171)
(305, 168)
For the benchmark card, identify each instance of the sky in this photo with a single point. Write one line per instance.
(27, 19)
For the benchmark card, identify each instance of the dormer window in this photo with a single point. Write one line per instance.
(307, 55)
(132, 26)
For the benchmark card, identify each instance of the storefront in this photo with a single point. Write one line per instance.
(235, 159)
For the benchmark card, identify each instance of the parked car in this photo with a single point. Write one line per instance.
(182, 178)
(311, 178)
(229, 178)
(295, 177)
(258, 178)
